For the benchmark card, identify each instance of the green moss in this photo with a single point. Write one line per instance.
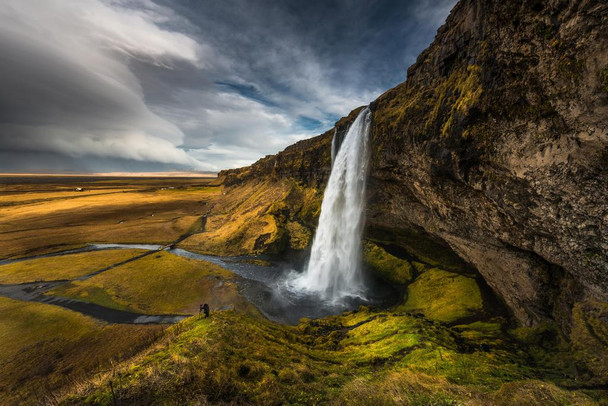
(547, 349)
(364, 357)
(419, 266)
(590, 339)
(604, 79)
(443, 296)
(420, 245)
(454, 97)
(537, 335)
(391, 268)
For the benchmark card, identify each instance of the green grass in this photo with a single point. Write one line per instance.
(45, 347)
(443, 296)
(158, 283)
(364, 357)
(63, 267)
(420, 246)
(391, 268)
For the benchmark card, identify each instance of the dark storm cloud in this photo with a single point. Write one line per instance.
(192, 84)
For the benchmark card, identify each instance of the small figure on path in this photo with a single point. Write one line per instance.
(200, 309)
(206, 310)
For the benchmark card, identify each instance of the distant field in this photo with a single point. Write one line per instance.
(44, 348)
(40, 214)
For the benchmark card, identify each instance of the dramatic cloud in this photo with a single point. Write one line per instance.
(205, 85)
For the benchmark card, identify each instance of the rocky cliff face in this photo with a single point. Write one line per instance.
(496, 146)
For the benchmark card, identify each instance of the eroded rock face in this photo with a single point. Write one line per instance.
(497, 143)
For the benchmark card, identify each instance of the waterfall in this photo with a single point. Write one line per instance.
(333, 145)
(334, 269)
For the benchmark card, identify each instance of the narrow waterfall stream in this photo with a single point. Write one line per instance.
(334, 270)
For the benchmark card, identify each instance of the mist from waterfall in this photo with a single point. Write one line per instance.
(334, 270)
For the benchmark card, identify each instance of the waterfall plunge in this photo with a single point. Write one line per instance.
(334, 270)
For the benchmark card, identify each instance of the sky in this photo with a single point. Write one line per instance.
(203, 85)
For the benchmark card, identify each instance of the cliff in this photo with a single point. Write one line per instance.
(497, 144)
(307, 161)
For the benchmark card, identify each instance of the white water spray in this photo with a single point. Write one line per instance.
(334, 270)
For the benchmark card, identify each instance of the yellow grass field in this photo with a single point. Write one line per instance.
(63, 267)
(45, 349)
(45, 217)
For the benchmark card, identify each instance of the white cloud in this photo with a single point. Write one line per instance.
(62, 58)
(219, 86)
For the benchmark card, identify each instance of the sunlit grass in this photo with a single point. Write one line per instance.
(365, 358)
(63, 267)
(158, 283)
(45, 347)
(63, 221)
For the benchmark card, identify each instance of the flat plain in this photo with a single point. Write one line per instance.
(43, 214)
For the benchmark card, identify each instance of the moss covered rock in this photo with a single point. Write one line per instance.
(299, 236)
(444, 296)
(365, 357)
(388, 266)
(590, 338)
(255, 218)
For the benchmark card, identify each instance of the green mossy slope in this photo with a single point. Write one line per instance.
(364, 357)
(444, 296)
(390, 267)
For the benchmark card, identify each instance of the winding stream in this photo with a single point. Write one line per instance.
(262, 285)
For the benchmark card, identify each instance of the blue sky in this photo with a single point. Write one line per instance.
(143, 85)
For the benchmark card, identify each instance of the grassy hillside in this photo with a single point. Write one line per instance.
(44, 348)
(263, 216)
(365, 357)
